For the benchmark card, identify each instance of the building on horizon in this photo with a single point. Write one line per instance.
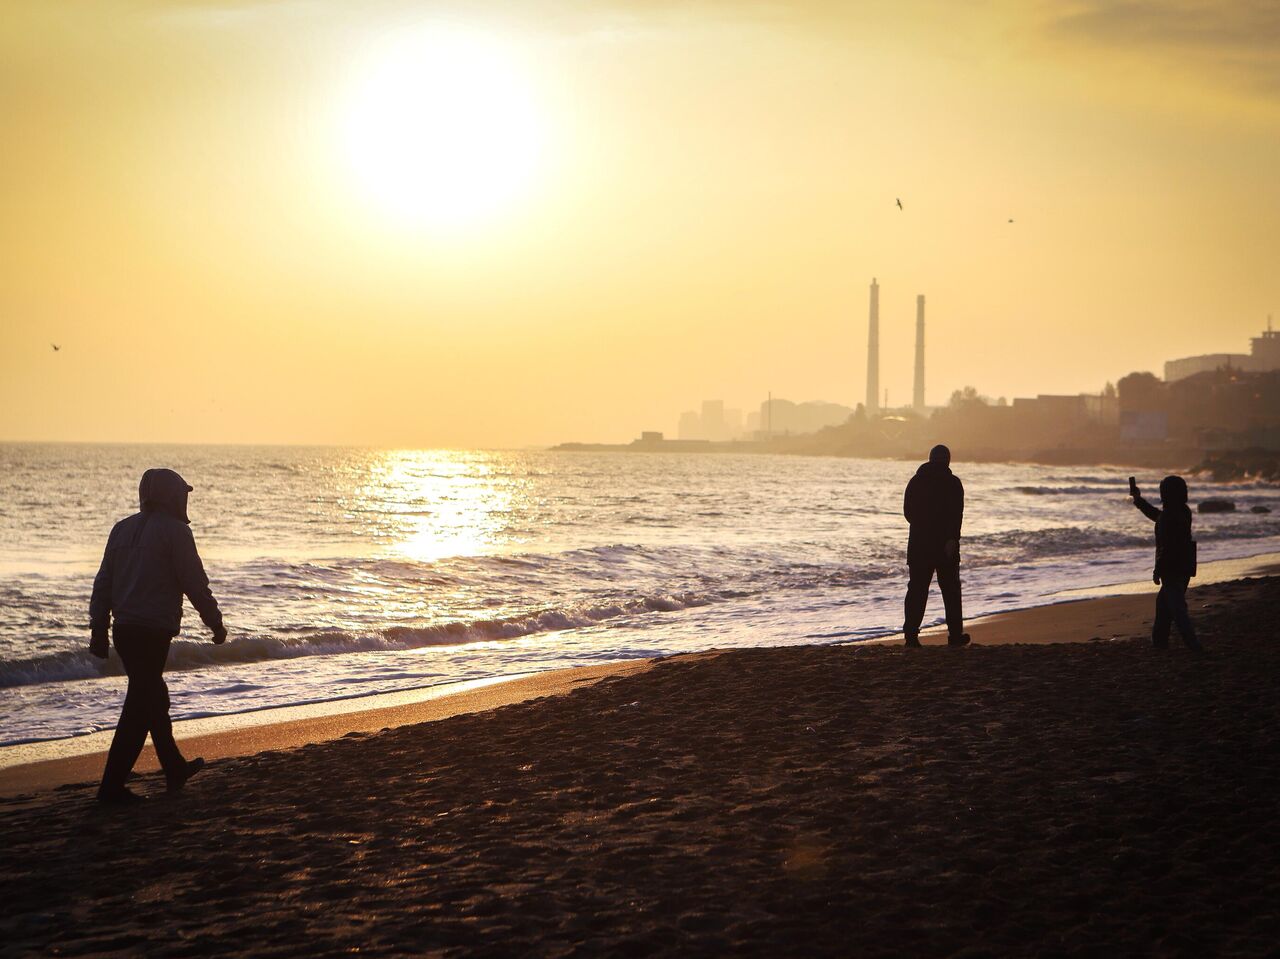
(1221, 408)
(1263, 357)
(1054, 412)
(1265, 350)
(732, 424)
(713, 420)
(714, 423)
(783, 417)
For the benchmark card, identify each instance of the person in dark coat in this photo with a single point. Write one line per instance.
(934, 506)
(1175, 560)
(150, 562)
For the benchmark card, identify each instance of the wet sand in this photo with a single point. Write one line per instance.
(319, 726)
(1085, 798)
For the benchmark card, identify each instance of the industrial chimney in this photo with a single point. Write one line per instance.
(917, 398)
(873, 352)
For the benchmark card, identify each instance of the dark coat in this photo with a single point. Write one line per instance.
(934, 506)
(151, 562)
(1175, 555)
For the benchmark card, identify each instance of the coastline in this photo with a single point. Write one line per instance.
(34, 767)
(1078, 799)
(1106, 613)
(1228, 466)
(1186, 459)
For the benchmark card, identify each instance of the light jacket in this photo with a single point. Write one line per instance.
(150, 562)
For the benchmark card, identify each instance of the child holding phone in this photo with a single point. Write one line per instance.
(1175, 559)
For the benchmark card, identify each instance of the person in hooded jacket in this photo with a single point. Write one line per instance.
(934, 506)
(150, 562)
(1175, 560)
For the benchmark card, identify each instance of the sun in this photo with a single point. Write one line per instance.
(441, 128)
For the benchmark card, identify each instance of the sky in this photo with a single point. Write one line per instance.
(451, 225)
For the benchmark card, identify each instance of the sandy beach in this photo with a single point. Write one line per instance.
(31, 769)
(1059, 788)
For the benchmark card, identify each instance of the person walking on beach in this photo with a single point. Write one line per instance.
(149, 564)
(1175, 560)
(934, 506)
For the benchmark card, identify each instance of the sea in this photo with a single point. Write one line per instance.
(349, 572)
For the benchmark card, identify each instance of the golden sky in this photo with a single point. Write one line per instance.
(253, 221)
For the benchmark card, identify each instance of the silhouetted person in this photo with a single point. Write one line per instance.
(150, 562)
(1175, 560)
(934, 506)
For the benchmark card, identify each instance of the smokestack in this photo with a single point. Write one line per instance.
(873, 351)
(917, 398)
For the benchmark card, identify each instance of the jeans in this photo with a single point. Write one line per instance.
(1171, 607)
(146, 706)
(922, 572)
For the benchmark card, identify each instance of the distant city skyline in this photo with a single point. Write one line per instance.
(1264, 356)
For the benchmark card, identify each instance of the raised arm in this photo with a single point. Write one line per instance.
(195, 583)
(1149, 511)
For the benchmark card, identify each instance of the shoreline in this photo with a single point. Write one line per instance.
(1076, 799)
(282, 728)
(1096, 614)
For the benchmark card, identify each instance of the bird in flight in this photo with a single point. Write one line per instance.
(1010, 219)
(56, 347)
(899, 203)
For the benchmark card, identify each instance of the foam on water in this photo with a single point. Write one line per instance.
(191, 654)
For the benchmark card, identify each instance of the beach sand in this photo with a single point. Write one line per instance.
(1084, 798)
(322, 722)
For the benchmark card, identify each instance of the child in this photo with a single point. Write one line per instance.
(1175, 559)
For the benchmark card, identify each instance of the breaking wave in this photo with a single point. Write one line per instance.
(196, 654)
(1111, 489)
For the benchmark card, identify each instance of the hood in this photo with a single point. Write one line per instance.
(164, 491)
(933, 469)
(1173, 491)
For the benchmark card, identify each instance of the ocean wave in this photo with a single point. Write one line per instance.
(1202, 490)
(190, 654)
(1237, 526)
(1090, 541)
(1025, 545)
(1109, 489)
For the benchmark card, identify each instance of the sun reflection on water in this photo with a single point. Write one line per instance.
(431, 504)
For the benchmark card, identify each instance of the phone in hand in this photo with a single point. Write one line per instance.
(1133, 486)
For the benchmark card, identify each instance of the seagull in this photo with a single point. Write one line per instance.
(899, 203)
(1010, 219)
(56, 347)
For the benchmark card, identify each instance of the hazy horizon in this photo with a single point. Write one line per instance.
(453, 226)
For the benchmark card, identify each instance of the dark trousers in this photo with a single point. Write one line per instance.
(922, 572)
(1171, 607)
(146, 706)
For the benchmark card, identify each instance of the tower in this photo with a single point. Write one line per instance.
(873, 351)
(917, 396)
